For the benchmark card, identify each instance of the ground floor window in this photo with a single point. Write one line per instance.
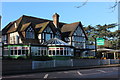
(39, 51)
(60, 51)
(11, 51)
(19, 50)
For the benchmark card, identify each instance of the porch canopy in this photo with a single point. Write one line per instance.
(56, 41)
(57, 47)
(106, 51)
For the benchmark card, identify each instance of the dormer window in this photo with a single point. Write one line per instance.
(58, 35)
(30, 33)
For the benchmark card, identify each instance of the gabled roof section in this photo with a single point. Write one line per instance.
(23, 20)
(41, 27)
(10, 27)
(6, 28)
(83, 30)
(24, 26)
(69, 29)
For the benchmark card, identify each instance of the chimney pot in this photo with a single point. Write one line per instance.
(56, 20)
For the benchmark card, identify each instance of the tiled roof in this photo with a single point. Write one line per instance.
(39, 25)
(24, 26)
(4, 30)
(69, 28)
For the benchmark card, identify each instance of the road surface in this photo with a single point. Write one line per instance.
(113, 73)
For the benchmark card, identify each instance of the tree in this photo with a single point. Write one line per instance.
(103, 31)
(112, 7)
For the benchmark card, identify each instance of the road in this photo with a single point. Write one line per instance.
(110, 72)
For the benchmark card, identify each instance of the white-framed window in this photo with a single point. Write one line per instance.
(39, 51)
(48, 37)
(47, 34)
(60, 51)
(19, 50)
(78, 38)
(30, 33)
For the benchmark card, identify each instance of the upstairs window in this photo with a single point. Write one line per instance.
(30, 33)
(47, 34)
(58, 35)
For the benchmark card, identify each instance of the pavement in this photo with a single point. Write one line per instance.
(108, 73)
(60, 69)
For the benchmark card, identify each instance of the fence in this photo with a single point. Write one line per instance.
(73, 63)
(105, 62)
(42, 64)
(20, 66)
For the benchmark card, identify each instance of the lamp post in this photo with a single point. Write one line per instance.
(95, 46)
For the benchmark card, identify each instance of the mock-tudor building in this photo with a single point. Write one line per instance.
(28, 30)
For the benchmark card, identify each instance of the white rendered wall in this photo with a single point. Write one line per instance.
(14, 34)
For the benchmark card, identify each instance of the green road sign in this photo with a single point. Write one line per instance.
(100, 41)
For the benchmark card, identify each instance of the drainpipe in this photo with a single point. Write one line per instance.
(29, 54)
(114, 56)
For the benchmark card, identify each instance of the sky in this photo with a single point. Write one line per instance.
(93, 13)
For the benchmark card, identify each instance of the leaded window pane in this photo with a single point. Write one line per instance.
(30, 33)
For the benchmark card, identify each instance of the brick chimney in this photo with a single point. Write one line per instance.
(56, 20)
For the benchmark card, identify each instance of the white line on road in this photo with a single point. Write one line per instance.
(101, 71)
(115, 68)
(65, 72)
(11, 77)
(45, 76)
(79, 73)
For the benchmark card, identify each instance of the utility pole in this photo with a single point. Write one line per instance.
(95, 47)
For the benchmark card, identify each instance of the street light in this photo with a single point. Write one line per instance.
(95, 46)
(95, 43)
